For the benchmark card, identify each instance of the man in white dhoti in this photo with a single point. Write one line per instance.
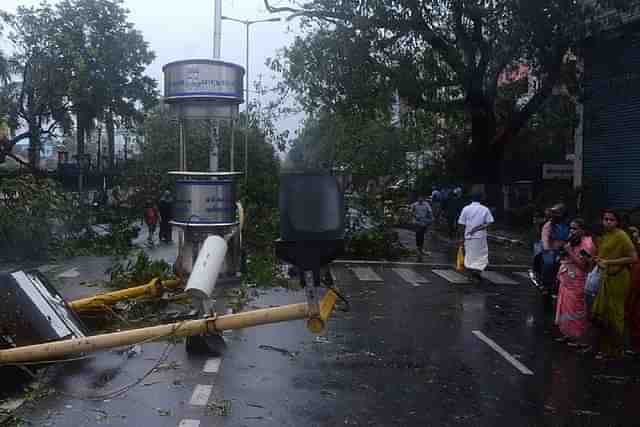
(475, 218)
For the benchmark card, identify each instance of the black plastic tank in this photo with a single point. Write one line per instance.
(311, 220)
(311, 207)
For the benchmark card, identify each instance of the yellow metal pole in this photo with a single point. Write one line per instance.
(57, 349)
(154, 288)
(318, 324)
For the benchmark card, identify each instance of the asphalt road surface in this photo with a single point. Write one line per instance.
(418, 348)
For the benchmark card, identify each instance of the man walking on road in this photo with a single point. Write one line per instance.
(165, 208)
(423, 215)
(454, 207)
(476, 218)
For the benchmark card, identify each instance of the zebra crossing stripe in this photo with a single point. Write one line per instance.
(200, 396)
(212, 366)
(189, 423)
(497, 278)
(366, 274)
(452, 276)
(409, 275)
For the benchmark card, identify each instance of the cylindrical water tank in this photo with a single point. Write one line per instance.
(203, 79)
(205, 198)
(210, 202)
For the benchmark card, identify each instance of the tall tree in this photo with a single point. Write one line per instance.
(438, 55)
(106, 58)
(37, 100)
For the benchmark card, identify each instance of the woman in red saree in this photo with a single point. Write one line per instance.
(571, 315)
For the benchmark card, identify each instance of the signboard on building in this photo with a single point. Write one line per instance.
(557, 171)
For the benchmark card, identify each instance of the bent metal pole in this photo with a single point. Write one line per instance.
(58, 349)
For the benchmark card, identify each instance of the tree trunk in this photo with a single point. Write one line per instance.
(111, 143)
(80, 133)
(486, 161)
(35, 144)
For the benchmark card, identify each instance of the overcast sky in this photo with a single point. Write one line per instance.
(178, 30)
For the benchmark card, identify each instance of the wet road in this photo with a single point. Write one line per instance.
(417, 349)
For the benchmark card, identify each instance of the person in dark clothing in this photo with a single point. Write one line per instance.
(165, 207)
(454, 207)
(423, 214)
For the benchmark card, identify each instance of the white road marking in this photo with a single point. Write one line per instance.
(72, 273)
(409, 275)
(212, 366)
(189, 423)
(47, 267)
(502, 352)
(201, 394)
(334, 277)
(366, 274)
(452, 276)
(497, 278)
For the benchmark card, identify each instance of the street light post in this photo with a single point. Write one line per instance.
(247, 24)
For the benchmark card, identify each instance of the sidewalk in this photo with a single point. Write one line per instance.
(504, 249)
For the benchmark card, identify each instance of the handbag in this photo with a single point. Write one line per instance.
(460, 259)
(594, 279)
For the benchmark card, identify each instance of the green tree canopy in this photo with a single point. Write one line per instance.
(439, 55)
(105, 57)
(79, 57)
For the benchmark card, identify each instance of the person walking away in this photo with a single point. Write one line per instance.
(151, 217)
(575, 263)
(475, 218)
(436, 203)
(616, 254)
(423, 217)
(165, 206)
(633, 305)
(554, 235)
(454, 207)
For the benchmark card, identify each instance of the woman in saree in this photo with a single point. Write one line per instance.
(616, 254)
(575, 263)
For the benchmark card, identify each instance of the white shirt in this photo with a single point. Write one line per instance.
(472, 216)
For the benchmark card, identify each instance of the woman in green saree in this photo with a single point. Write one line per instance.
(616, 254)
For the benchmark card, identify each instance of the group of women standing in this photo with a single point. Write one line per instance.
(599, 293)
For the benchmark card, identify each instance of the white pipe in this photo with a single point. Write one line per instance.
(205, 271)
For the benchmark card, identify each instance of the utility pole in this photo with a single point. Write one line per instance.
(217, 30)
(247, 24)
(214, 125)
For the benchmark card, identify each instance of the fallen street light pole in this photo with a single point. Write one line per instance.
(211, 325)
(155, 288)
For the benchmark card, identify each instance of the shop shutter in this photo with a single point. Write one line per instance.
(611, 151)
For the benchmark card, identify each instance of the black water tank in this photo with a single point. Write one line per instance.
(311, 207)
